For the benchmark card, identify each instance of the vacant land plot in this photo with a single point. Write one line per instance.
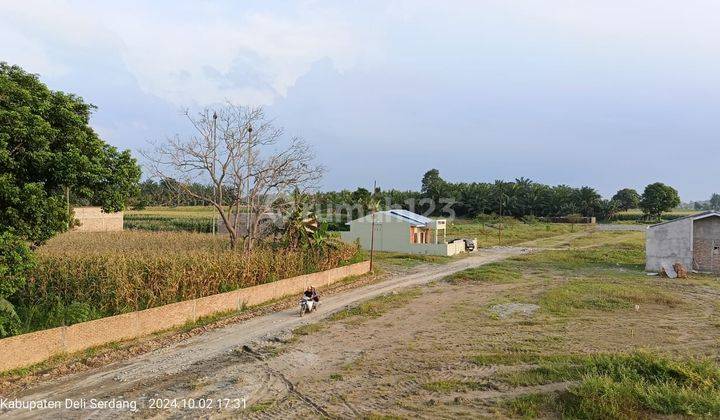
(605, 341)
(509, 232)
(580, 331)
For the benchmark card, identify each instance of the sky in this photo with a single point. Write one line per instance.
(605, 93)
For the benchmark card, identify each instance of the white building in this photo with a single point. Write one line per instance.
(403, 231)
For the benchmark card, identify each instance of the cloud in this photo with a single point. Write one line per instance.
(187, 53)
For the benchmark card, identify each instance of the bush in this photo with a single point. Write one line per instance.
(16, 260)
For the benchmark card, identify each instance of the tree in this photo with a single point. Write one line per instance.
(50, 157)
(657, 199)
(433, 187)
(235, 150)
(588, 201)
(715, 202)
(16, 260)
(627, 199)
(608, 209)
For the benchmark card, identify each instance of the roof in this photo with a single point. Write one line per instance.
(696, 216)
(413, 219)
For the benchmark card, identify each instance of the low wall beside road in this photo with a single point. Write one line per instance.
(28, 349)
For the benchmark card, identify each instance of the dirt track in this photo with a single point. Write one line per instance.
(214, 365)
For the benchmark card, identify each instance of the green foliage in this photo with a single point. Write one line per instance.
(657, 199)
(627, 199)
(518, 198)
(48, 149)
(16, 260)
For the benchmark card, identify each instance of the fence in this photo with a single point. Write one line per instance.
(28, 349)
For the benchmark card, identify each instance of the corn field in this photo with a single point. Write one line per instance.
(84, 276)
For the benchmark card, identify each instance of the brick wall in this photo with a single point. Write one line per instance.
(28, 349)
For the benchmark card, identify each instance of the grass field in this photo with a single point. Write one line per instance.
(510, 232)
(605, 341)
(184, 212)
(187, 219)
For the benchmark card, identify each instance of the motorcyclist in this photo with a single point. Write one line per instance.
(311, 293)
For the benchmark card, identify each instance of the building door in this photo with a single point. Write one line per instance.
(715, 257)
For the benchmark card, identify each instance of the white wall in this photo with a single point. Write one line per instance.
(669, 243)
(394, 236)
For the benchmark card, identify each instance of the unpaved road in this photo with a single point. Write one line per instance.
(207, 366)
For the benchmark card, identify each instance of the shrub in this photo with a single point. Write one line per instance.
(16, 260)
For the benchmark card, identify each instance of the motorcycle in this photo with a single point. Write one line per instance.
(307, 305)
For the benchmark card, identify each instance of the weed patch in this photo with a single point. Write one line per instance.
(502, 272)
(620, 386)
(456, 386)
(600, 295)
(308, 329)
(378, 306)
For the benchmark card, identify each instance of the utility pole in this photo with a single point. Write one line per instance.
(372, 231)
(247, 191)
(214, 140)
(500, 225)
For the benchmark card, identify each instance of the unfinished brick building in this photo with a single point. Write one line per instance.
(693, 241)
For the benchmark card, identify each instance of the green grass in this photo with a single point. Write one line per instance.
(620, 386)
(511, 231)
(502, 272)
(336, 377)
(376, 307)
(531, 405)
(308, 329)
(519, 358)
(455, 386)
(602, 295)
(157, 223)
(261, 406)
(410, 260)
(180, 211)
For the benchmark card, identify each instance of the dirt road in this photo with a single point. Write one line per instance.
(211, 368)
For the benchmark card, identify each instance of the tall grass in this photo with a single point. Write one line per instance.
(83, 276)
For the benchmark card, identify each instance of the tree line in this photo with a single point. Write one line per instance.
(519, 198)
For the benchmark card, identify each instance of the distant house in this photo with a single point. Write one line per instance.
(693, 241)
(403, 231)
(94, 219)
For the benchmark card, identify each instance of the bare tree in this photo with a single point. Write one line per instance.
(238, 151)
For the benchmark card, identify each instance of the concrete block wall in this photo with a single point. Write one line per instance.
(93, 219)
(669, 243)
(28, 349)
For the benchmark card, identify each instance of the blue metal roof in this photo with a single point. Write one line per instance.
(410, 216)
